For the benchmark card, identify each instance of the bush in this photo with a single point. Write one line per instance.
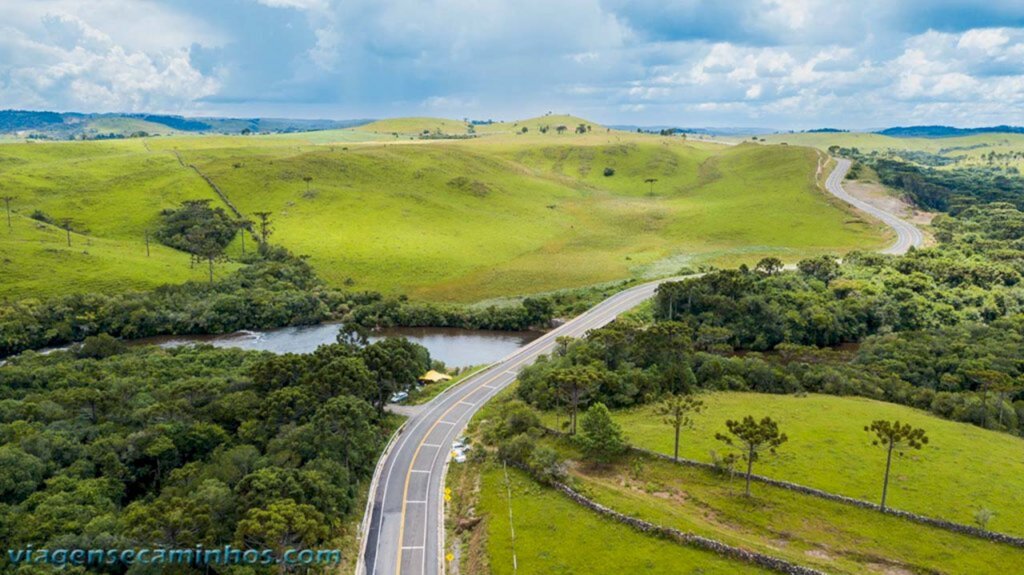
(196, 228)
(601, 437)
(100, 346)
(609, 172)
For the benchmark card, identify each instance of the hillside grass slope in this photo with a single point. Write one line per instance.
(502, 214)
(962, 469)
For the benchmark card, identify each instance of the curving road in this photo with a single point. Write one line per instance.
(907, 234)
(402, 532)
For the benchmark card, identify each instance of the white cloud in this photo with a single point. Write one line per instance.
(816, 62)
(986, 40)
(72, 64)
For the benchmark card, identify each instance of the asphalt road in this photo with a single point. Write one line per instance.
(906, 234)
(404, 521)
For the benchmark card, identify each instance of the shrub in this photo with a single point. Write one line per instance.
(601, 437)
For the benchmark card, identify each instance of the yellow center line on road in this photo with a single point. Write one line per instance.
(408, 476)
(484, 384)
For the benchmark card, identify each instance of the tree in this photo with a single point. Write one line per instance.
(561, 129)
(307, 179)
(205, 246)
(20, 473)
(753, 438)
(676, 411)
(651, 182)
(244, 227)
(66, 224)
(344, 431)
(894, 437)
(395, 363)
(823, 268)
(601, 437)
(282, 525)
(769, 266)
(7, 202)
(988, 381)
(574, 384)
(265, 229)
(196, 227)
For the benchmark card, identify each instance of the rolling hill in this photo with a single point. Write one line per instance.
(503, 214)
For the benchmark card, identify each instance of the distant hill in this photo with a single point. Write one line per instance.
(725, 131)
(71, 125)
(14, 120)
(447, 127)
(946, 131)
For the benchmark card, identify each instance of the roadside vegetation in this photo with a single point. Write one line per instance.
(828, 449)
(936, 330)
(484, 492)
(805, 530)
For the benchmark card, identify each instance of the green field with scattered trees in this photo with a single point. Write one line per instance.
(505, 213)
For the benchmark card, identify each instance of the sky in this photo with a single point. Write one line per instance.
(790, 64)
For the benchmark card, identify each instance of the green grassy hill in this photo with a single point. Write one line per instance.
(112, 192)
(472, 220)
(970, 148)
(505, 214)
(830, 536)
(955, 475)
(127, 126)
(418, 126)
(35, 260)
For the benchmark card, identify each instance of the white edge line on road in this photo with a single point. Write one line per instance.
(575, 328)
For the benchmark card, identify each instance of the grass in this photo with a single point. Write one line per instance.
(970, 148)
(826, 535)
(459, 221)
(112, 192)
(406, 127)
(468, 221)
(963, 468)
(555, 536)
(35, 261)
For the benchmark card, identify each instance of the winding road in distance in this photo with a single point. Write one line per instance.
(907, 234)
(403, 529)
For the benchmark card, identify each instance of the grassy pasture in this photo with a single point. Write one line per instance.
(829, 536)
(504, 214)
(972, 147)
(554, 536)
(406, 127)
(962, 469)
(112, 192)
(471, 220)
(36, 261)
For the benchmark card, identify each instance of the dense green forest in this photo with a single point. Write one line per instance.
(950, 190)
(941, 329)
(106, 446)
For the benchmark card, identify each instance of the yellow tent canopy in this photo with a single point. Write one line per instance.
(434, 377)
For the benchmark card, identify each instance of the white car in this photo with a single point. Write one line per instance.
(459, 449)
(399, 397)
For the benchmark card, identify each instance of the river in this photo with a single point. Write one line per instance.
(455, 347)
